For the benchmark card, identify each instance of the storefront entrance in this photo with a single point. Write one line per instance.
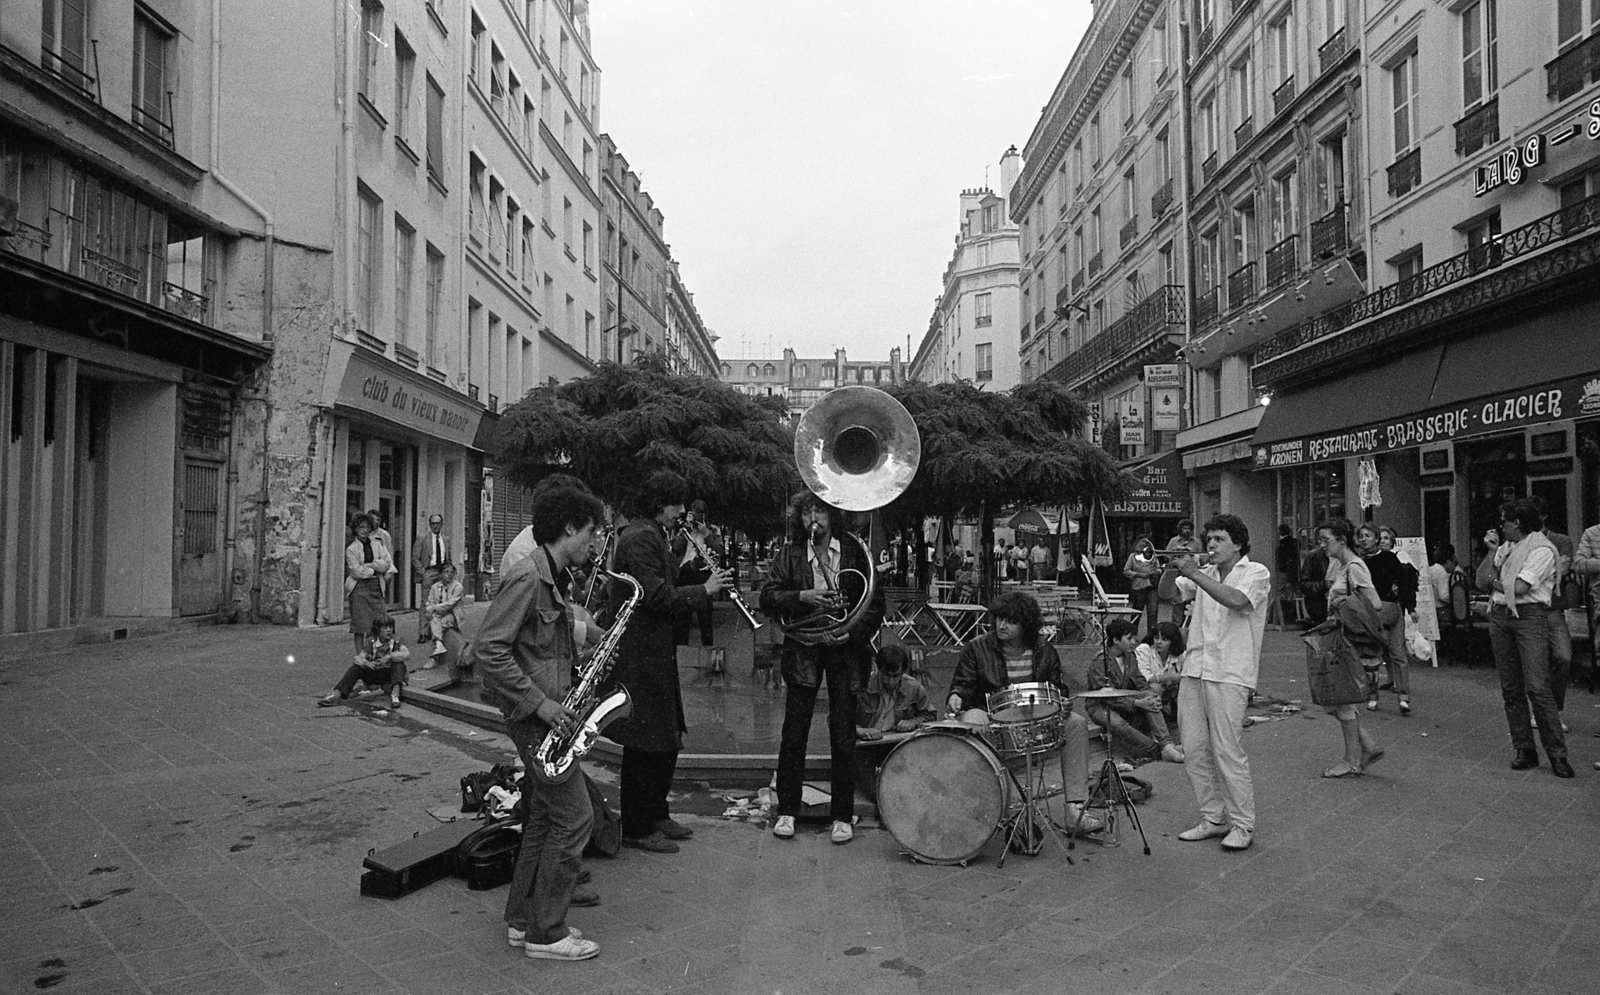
(380, 476)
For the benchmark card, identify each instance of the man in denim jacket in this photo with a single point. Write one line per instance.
(525, 652)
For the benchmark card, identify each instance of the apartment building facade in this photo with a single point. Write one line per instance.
(1468, 373)
(134, 333)
(802, 380)
(972, 334)
(1277, 222)
(1100, 203)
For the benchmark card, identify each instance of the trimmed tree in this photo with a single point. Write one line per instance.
(615, 427)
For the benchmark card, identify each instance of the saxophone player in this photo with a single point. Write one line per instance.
(647, 664)
(804, 579)
(525, 652)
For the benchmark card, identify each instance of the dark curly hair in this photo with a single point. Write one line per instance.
(1172, 634)
(554, 508)
(1015, 606)
(802, 502)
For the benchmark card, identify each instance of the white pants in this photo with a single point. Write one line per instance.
(1210, 720)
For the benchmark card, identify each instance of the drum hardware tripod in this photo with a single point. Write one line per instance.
(1109, 788)
(1027, 826)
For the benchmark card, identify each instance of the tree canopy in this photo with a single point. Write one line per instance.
(986, 448)
(615, 427)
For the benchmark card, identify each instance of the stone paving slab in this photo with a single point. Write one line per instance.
(176, 815)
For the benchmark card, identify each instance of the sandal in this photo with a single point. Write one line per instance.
(1343, 770)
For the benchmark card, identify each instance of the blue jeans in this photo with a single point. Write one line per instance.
(555, 830)
(1521, 646)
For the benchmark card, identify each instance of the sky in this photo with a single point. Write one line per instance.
(809, 157)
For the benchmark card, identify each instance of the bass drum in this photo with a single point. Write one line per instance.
(942, 794)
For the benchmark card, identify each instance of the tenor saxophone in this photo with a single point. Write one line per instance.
(558, 754)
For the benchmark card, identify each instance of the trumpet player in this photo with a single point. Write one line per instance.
(525, 652)
(648, 664)
(804, 580)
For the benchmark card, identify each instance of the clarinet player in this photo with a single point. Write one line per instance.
(525, 651)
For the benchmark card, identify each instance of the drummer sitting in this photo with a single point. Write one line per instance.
(1137, 719)
(1015, 653)
(894, 701)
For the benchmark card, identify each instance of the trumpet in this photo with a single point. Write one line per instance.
(715, 563)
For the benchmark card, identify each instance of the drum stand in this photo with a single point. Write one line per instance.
(1108, 787)
(1027, 826)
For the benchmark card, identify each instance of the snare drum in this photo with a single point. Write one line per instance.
(1026, 702)
(1027, 718)
(942, 794)
(1015, 739)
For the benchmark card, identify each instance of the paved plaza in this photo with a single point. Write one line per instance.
(179, 816)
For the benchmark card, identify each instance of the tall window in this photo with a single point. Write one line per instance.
(1206, 264)
(1403, 88)
(371, 43)
(1128, 102)
(1571, 22)
(1130, 195)
(1163, 157)
(981, 309)
(405, 72)
(983, 361)
(1480, 75)
(527, 251)
(1157, 53)
(1242, 91)
(435, 130)
(1094, 141)
(1207, 125)
(1331, 171)
(151, 42)
(1280, 48)
(476, 51)
(1077, 165)
(1169, 266)
(65, 39)
(511, 234)
(369, 247)
(477, 209)
(1094, 231)
(1285, 197)
(1332, 17)
(405, 246)
(566, 223)
(434, 304)
(1244, 232)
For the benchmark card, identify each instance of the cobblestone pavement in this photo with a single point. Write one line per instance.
(179, 816)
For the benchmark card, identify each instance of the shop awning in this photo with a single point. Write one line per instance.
(1527, 374)
(1162, 490)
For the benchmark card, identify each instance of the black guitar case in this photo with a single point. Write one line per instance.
(421, 860)
(487, 858)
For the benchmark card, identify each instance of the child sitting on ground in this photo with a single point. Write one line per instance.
(894, 701)
(1137, 719)
(381, 663)
(440, 608)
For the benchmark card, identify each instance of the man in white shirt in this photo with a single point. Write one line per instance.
(1521, 574)
(1439, 571)
(1231, 596)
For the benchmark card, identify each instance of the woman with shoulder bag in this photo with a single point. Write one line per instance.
(1354, 603)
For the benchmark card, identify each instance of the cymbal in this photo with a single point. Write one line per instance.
(1109, 693)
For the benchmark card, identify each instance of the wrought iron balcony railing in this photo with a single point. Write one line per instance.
(1405, 173)
(1241, 286)
(1283, 260)
(494, 402)
(110, 272)
(1122, 342)
(1558, 226)
(1161, 199)
(1480, 127)
(1208, 168)
(1243, 133)
(1283, 96)
(1207, 306)
(1130, 231)
(1330, 234)
(1094, 265)
(1077, 281)
(1332, 51)
(179, 300)
(27, 240)
(73, 73)
(472, 391)
(154, 124)
(1574, 69)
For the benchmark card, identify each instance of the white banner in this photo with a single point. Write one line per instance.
(1164, 409)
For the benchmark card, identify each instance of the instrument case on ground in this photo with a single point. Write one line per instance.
(488, 857)
(421, 860)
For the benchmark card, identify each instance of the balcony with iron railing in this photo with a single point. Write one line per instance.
(189, 303)
(1094, 265)
(1207, 307)
(1125, 341)
(1405, 173)
(472, 391)
(1480, 276)
(75, 72)
(1129, 232)
(1241, 286)
(154, 125)
(1077, 281)
(1283, 260)
(1208, 167)
(1574, 69)
(1330, 234)
(28, 241)
(1161, 199)
(1283, 96)
(494, 403)
(1480, 127)
(1331, 52)
(1243, 133)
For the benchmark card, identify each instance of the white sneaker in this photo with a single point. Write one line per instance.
(516, 937)
(1238, 839)
(784, 827)
(1172, 753)
(566, 948)
(842, 833)
(1204, 830)
(438, 648)
(1080, 820)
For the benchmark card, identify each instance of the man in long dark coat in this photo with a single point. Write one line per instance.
(647, 664)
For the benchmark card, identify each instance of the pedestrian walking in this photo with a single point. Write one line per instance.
(1231, 594)
(1396, 584)
(1354, 602)
(525, 651)
(1520, 574)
